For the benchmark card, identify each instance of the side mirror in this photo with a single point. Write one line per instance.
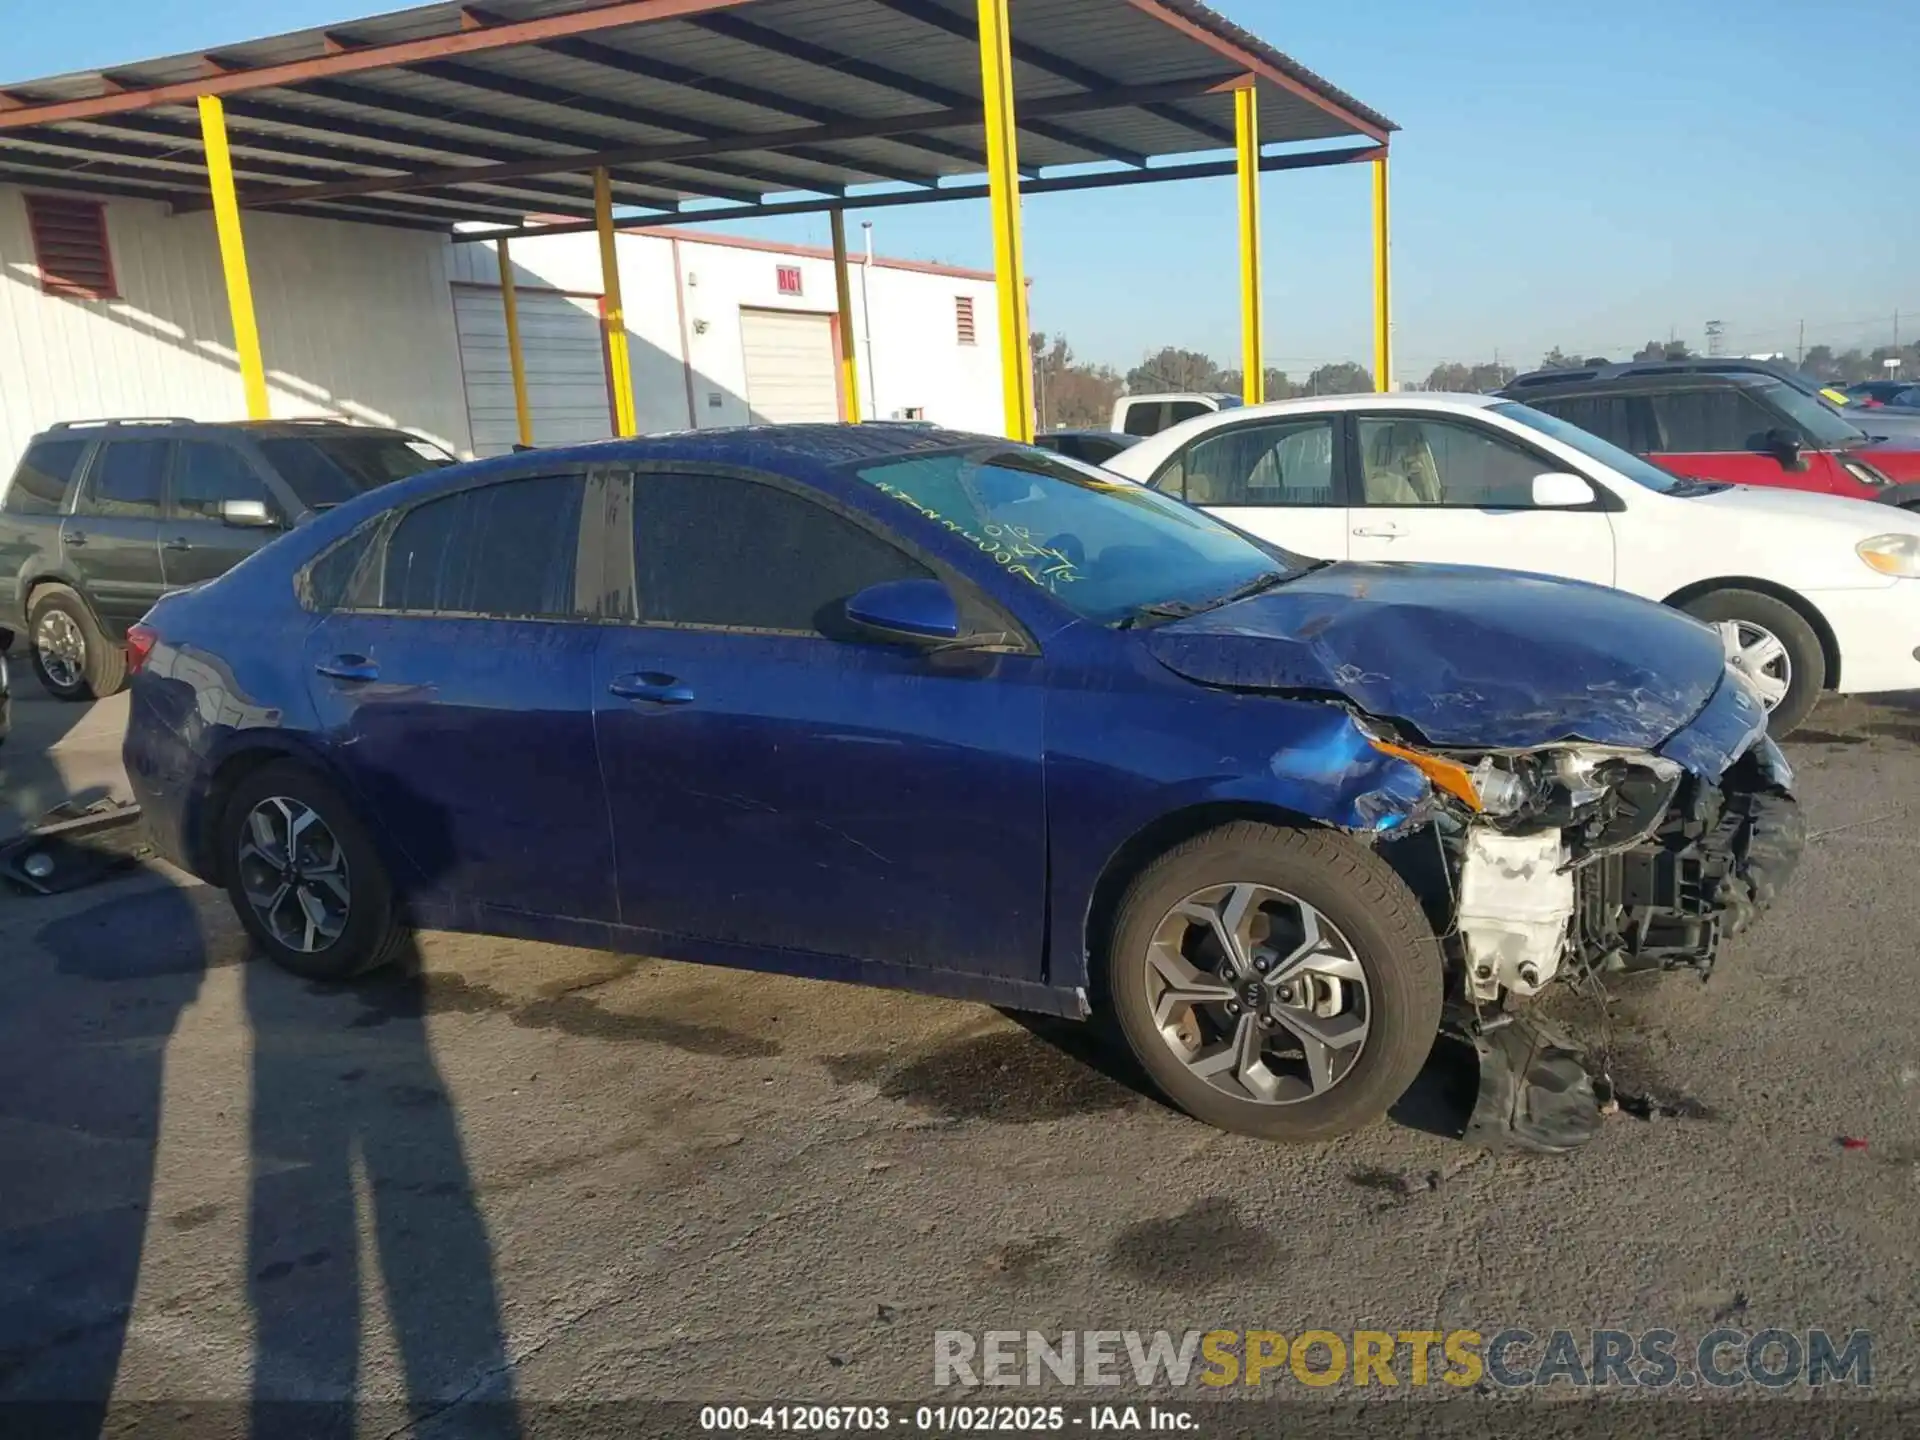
(1784, 445)
(1562, 490)
(906, 612)
(246, 514)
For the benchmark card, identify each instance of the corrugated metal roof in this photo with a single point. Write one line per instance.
(838, 93)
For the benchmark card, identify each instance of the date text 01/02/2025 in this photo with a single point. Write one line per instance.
(941, 1419)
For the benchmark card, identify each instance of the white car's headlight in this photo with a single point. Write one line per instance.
(1892, 554)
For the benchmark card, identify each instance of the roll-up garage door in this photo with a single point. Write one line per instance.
(566, 368)
(791, 373)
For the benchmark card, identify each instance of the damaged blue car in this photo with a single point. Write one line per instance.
(914, 708)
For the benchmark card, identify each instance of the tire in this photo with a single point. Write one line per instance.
(101, 666)
(1806, 660)
(372, 934)
(1377, 923)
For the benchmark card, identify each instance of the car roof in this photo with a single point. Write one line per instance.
(1180, 395)
(1639, 381)
(810, 446)
(314, 428)
(1691, 365)
(1368, 400)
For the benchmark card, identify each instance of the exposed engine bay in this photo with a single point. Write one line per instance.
(1608, 861)
(1576, 860)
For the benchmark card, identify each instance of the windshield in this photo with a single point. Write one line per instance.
(1641, 472)
(331, 469)
(1826, 429)
(1106, 548)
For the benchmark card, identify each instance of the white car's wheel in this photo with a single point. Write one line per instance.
(1777, 650)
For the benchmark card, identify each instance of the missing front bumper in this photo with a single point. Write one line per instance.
(1720, 857)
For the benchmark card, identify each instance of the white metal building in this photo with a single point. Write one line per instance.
(116, 307)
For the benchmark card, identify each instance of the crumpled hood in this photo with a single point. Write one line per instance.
(1467, 656)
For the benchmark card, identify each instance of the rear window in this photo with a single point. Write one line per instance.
(328, 470)
(40, 484)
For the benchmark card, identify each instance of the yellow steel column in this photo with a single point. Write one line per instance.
(615, 317)
(510, 302)
(1246, 134)
(843, 293)
(1382, 306)
(233, 255)
(1003, 195)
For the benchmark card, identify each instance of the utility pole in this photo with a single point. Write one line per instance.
(1715, 329)
(1800, 350)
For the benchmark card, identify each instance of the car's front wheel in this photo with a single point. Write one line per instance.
(305, 877)
(1775, 648)
(1275, 982)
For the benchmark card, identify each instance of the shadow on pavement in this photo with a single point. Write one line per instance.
(31, 774)
(352, 1135)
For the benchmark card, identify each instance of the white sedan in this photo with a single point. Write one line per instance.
(1822, 593)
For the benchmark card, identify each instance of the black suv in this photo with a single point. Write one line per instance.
(104, 516)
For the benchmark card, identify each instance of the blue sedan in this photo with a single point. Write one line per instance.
(913, 708)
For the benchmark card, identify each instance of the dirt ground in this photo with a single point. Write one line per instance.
(548, 1174)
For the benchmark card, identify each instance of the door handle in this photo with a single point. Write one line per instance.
(76, 537)
(1379, 532)
(651, 685)
(348, 667)
(179, 542)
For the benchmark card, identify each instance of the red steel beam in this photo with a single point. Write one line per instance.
(1222, 46)
(344, 59)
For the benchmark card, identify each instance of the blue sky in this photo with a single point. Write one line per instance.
(1583, 176)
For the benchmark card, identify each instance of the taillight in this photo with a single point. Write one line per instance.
(140, 642)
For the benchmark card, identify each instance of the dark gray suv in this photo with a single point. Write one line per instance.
(102, 517)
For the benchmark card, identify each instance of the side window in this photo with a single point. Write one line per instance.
(1705, 422)
(1178, 410)
(127, 476)
(339, 579)
(505, 550)
(723, 551)
(1288, 463)
(206, 474)
(40, 484)
(1418, 461)
(1145, 419)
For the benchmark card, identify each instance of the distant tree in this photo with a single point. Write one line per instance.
(1279, 387)
(1467, 379)
(1344, 378)
(1593, 360)
(1449, 375)
(1819, 362)
(1558, 359)
(1663, 350)
(1174, 369)
(1068, 394)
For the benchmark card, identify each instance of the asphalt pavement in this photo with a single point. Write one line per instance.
(542, 1174)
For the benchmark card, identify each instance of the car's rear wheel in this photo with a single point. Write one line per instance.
(1775, 648)
(1276, 982)
(305, 877)
(72, 655)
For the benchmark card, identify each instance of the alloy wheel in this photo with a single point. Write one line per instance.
(294, 875)
(1257, 993)
(1763, 659)
(62, 648)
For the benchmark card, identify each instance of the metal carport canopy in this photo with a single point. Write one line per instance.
(693, 109)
